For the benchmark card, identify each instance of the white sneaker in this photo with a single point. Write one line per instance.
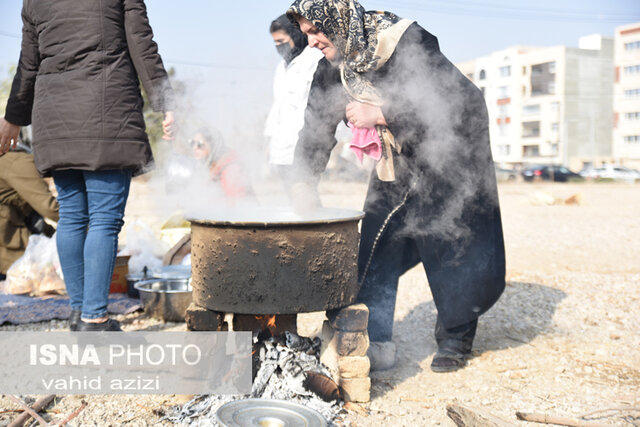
(382, 355)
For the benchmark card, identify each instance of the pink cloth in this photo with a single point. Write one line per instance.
(365, 142)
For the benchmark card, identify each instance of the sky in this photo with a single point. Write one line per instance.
(223, 50)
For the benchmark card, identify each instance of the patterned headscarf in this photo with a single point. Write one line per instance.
(364, 39)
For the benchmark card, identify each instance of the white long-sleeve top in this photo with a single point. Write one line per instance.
(291, 87)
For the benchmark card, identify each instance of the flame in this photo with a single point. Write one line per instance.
(271, 321)
(268, 322)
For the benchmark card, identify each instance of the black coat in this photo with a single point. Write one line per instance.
(450, 220)
(77, 81)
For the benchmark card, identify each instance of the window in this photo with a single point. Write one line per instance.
(505, 71)
(551, 87)
(504, 150)
(555, 127)
(632, 139)
(554, 148)
(555, 107)
(529, 110)
(631, 93)
(530, 151)
(504, 129)
(483, 74)
(632, 116)
(543, 79)
(632, 45)
(503, 111)
(524, 71)
(503, 92)
(530, 129)
(632, 69)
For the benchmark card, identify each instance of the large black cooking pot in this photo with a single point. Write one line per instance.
(276, 262)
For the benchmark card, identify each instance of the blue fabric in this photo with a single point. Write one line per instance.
(21, 309)
(91, 210)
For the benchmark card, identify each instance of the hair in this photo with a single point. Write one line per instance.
(213, 137)
(276, 26)
(283, 23)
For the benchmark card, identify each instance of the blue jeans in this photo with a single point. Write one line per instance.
(91, 210)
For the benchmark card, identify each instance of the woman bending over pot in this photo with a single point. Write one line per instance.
(433, 197)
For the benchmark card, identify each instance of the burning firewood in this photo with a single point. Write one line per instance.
(286, 367)
(322, 385)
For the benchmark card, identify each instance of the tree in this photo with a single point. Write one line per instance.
(152, 119)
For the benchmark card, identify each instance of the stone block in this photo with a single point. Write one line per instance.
(328, 355)
(354, 366)
(351, 343)
(202, 319)
(355, 389)
(327, 332)
(353, 318)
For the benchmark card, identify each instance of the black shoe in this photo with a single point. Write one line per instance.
(74, 319)
(109, 325)
(448, 360)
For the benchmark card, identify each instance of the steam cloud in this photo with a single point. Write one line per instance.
(182, 183)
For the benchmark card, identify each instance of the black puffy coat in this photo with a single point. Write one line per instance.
(77, 81)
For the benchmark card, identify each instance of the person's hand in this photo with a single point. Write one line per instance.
(8, 135)
(364, 115)
(168, 126)
(305, 198)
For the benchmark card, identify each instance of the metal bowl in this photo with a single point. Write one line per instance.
(172, 272)
(165, 299)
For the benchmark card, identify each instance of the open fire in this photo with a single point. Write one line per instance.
(286, 367)
(267, 322)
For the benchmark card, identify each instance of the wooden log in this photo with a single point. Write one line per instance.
(39, 405)
(73, 414)
(554, 419)
(465, 416)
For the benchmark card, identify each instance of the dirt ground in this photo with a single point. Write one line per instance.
(563, 339)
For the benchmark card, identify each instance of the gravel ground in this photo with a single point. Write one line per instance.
(563, 340)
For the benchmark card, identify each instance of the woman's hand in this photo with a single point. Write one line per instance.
(8, 135)
(168, 125)
(364, 115)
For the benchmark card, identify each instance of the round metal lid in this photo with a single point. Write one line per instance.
(268, 413)
(279, 217)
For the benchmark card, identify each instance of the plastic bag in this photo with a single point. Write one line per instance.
(37, 271)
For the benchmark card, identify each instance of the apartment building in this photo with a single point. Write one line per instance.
(626, 98)
(548, 105)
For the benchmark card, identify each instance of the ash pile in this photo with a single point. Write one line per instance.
(286, 367)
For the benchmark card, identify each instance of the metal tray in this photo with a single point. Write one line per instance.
(268, 413)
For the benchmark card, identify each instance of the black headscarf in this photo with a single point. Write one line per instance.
(282, 23)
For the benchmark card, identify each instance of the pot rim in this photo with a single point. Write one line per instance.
(321, 216)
